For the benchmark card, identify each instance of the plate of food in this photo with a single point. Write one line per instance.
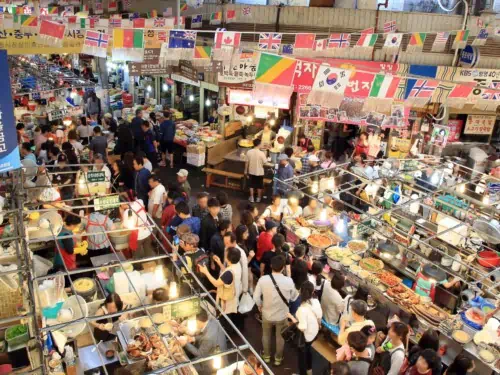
(346, 262)
(371, 264)
(337, 253)
(355, 257)
(487, 355)
(461, 336)
(357, 246)
(389, 279)
(319, 240)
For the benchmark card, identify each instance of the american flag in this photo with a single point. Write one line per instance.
(270, 41)
(423, 88)
(247, 11)
(390, 26)
(115, 22)
(96, 39)
(159, 22)
(339, 41)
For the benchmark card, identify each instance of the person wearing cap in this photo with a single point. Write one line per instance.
(189, 242)
(313, 162)
(265, 241)
(183, 183)
(98, 145)
(167, 135)
(284, 172)
(254, 169)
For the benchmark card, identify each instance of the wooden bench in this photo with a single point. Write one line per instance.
(211, 173)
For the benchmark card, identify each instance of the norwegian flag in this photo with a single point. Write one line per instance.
(270, 41)
(96, 39)
(320, 45)
(423, 88)
(159, 22)
(115, 22)
(247, 11)
(339, 41)
(390, 26)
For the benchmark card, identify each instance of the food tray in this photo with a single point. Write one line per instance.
(357, 246)
(388, 279)
(456, 335)
(371, 264)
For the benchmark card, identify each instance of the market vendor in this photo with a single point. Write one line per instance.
(266, 136)
(66, 250)
(312, 209)
(103, 327)
(292, 208)
(96, 226)
(425, 283)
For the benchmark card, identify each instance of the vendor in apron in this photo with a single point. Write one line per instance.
(103, 328)
(96, 227)
(266, 135)
(66, 249)
(425, 286)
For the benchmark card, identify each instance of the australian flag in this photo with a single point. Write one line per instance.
(182, 39)
(287, 49)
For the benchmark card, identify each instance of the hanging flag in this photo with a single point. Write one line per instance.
(369, 30)
(115, 23)
(392, 42)
(439, 44)
(180, 45)
(181, 23)
(416, 43)
(128, 45)
(68, 11)
(51, 33)
(89, 23)
(127, 4)
(287, 49)
(26, 23)
(486, 99)
(367, 41)
(224, 44)
(230, 15)
(384, 89)
(274, 76)
(95, 43)
(420, 91)
(71, 20)
(339, 41)
(112, 6)
(202, 56)
(152, 14)
(158, 23)
(329, 86)
(98, 7)
(442, 91)
(131, 16)
(184, 7)
(197, 21)
(304, 43)
(216, 18)
(320, 45)
(246, 11)
(270, 41)
(389, 26)
(460, 39)
(167, 12)
(84, 8)
(53, 10)
(139, 23)
(481, 38)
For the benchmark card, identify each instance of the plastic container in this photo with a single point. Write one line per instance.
(51, 312)
(18, 340)
(41, 265)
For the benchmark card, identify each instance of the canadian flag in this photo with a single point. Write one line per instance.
(320, 45)
(227, 38)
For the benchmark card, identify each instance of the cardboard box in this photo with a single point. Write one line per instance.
(196, 159)
(196, 149)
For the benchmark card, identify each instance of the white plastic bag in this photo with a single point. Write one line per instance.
(246, 303)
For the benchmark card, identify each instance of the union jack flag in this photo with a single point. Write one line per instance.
(270, 41)
(423, 88)
(190, 35)
(159, 22)
(339, 41)
(247, 11)
(492, 94)
(390, 26)
(115, 22)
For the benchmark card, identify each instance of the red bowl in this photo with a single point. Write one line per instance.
(488, 259)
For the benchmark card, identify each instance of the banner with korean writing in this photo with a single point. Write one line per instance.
(479, 124)
(240, 73)
(9, 150)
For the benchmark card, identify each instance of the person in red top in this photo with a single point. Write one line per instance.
(425, 363)
(361, 144)
(264, 243)
(169, 210)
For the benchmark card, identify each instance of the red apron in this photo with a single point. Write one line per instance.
(68, 259)
(94, 245)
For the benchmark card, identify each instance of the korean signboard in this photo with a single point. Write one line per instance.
(9, 150)
(185, 73)
(240, 73)
(105, 203)
(479, 124)
(96, 176)
(150, 66)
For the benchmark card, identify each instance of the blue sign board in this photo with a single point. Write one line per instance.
(469, 56)
(9, 150)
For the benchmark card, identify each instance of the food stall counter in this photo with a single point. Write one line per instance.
(89, 359)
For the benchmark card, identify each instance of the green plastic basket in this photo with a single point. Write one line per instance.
(18, 340)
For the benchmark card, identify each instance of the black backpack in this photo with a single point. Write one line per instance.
(382, 363)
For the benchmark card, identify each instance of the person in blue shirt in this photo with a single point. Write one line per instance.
(149, 143)
(167, 134)
(27, 152)
(284, 172)
(141, 179)
(135, 125)
(182, 209)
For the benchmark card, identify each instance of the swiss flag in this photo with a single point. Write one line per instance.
(227, 38)
(305, 41)
(139, 23)
(52, 29)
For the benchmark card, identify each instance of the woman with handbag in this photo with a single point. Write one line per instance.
(308, 318)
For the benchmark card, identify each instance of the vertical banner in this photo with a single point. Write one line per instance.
(9, 150)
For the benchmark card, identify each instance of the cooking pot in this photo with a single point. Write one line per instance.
(488, 259)
(244, 145)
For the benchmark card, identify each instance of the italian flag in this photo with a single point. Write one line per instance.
(384, 86)
(367, 40)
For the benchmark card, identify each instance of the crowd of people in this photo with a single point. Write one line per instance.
(231, 258)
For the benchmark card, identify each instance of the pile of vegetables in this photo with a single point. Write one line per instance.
(18, 330)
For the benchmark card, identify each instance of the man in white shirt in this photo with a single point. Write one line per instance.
(274, 306)
(157, 196)
(101, 167)
(134, 217)
(254, 169)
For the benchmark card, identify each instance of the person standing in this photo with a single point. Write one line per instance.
(136, 127)
(149, 143)
(157, 197)
(254, 169)
(167, 134)
(93, 106)
(272, 295)
(125, 139)
(284, 172)
(210, 223)
(96, 225)
(182, 181)
(135, 217)
(141, 180)
(98, 145)
(200, 209)
(66, 250)
(217, 246)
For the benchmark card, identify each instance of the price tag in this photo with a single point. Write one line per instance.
(105, 203)
(96, 176)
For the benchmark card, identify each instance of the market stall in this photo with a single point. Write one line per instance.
(100, 310)
(416, 236)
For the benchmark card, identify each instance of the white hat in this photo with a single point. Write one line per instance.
(313, 158)
(108, 115)
(182, 173)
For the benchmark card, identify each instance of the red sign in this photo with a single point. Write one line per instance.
(359, 83)
(455, 130)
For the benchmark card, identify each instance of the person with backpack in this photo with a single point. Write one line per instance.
(317, 279)
(361, 359)
(308, 318)
(272, 296)
(392, 351)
